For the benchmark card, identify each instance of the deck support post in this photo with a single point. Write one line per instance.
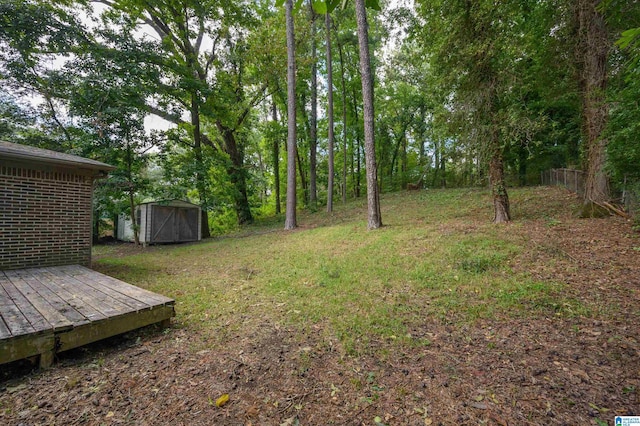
(46, 359)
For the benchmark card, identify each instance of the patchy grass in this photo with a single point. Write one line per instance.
(438, 318)
(437, 256)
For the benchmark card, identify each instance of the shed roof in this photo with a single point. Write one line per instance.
(171, 203)
(16, 151)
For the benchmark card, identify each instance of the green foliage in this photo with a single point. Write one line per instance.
(623, 149)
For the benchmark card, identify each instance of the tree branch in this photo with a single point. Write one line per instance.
(172, 118)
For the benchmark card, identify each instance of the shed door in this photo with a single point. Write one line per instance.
(174, 224)
(162, 224)
(187, 224)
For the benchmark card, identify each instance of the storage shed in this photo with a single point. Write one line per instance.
(45, 207)
(171, 221)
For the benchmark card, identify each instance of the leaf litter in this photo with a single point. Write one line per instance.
(559, 367)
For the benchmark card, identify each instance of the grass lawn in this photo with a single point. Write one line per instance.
(438, 256)
(439, 317)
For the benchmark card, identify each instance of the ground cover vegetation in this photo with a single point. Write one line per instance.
(454, 94)
(438, 318)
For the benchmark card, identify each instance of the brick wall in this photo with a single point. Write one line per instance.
(45, 217)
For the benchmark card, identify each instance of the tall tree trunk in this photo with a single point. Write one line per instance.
(443, 169)
(303, 176)
(593, 51)
(356, 149)
(236, 173)
(404, 163)
(327, 21)
(300, 154)
(290, 214)
(131, 193)
(344, 125)
(276, 159)
(374, 219)
(201, 184)
(522, 162)
(436, 160)
(497, 181)
(313, 142)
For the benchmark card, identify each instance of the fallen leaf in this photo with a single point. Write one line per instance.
(479, 405)
(110, 414)
(291, 421)
(222, 400)
(428, 421)
(16, 388)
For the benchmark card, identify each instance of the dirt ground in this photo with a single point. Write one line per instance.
(547, 371)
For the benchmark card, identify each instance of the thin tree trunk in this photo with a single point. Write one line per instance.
(356, 149)
(374, 219)
(276, 160)
(300, 157)
(201, 184)
(313, 142)
(344, 125)
(443, 169)
(290, 214)
(131, 192)
(436, 160)
(329, 113)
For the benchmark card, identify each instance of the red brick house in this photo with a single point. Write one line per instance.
(45, 207)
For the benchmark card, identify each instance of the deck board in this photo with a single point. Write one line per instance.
(42, 284)
(99, 300)
(4, 330)
(28, 286)
(84, 307)
(15, 320)
(44, 310)
(33, 316)
(127, 290)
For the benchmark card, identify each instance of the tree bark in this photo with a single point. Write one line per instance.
(290, 214)
(344, 126)
(497, 182)
(330, 114)
(276, 160)
(313, 134)
(236, 173)
(374, 219)
(201, 184)
(593, 51)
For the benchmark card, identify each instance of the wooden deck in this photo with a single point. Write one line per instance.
(48, 310)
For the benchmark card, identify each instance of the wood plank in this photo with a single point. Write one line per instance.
(101, 285)
(99, 330)
(129, 290)
(27, 345)
(28, 287)
(35, 318)
(102, 302)
(5, 333)
(13, 318)
(82, 305)
(40, 282)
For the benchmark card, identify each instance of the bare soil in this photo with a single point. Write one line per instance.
(546, 370)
